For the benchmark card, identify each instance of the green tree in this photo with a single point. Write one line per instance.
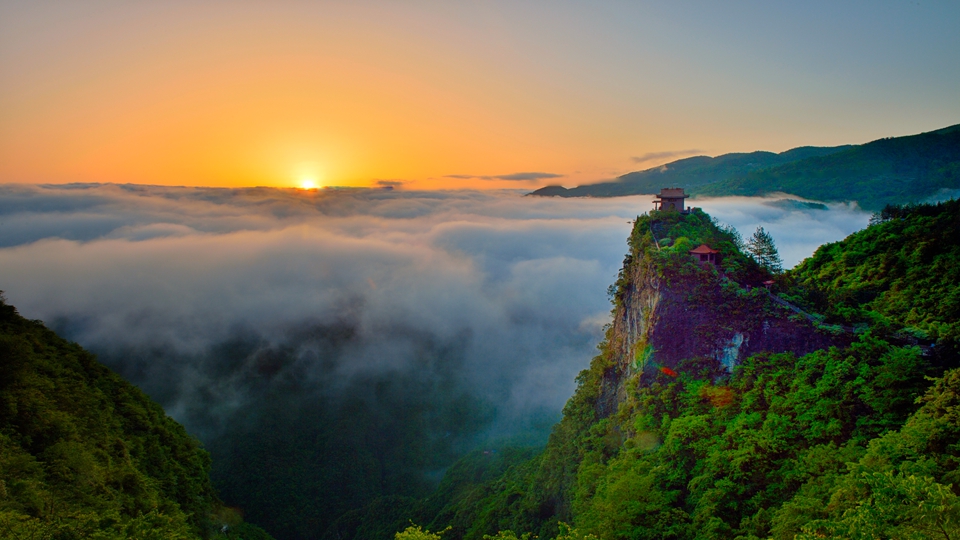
(416, 532)
(764, 251)
(892, 505)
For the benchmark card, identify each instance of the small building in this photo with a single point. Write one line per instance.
(704, 253)
(671, 199)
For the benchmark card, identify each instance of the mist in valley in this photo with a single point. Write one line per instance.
(332, 346)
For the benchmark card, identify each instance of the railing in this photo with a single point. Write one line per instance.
(812, 318)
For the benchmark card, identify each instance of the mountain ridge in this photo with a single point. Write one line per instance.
(891, 170)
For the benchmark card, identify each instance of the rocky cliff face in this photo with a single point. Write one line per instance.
(675, 314)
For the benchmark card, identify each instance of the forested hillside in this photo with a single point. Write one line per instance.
(84, 454)
(893, 170)
(858, 439)
(900, 274)
(690, 172)
(712, 410)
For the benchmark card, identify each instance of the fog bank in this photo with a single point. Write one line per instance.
(518, 281)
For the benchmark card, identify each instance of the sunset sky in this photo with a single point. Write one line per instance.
(453, 94)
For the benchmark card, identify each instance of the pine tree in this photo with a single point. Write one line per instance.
(764, 251)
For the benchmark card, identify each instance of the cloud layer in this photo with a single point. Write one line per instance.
(184, 268)
(161, 281)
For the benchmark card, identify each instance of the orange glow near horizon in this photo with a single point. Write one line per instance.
(185, 129)
(415, 95)
(257, 96)
(195, 112)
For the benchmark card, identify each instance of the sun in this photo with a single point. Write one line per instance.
(308, 183)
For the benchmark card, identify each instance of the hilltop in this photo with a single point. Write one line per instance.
(894, 170)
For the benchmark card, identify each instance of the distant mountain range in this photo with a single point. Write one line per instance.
(893, 170)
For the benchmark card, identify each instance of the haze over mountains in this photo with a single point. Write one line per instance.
(886, 171)
(366, 331)
(269, 270)
(334, 349)
(338, 423)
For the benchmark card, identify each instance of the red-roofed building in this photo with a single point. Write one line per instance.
(705, 254)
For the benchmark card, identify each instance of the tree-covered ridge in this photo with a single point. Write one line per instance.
(818, 446)
(892, 170)
(689, 173)
(722, 458)
(900, 274)
(850, 441)
(84, 454)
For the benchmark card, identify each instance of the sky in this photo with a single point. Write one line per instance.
(450, 95)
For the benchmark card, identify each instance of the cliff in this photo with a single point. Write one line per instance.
(673, 313)
(715, 410)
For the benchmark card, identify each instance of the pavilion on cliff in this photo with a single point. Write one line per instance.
(671, 199)
(705, 253)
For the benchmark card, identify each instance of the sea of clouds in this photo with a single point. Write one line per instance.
(203, 296)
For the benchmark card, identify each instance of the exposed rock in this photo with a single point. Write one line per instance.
(683, 313)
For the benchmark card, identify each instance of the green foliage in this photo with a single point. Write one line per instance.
(899, 274)
(763, 249)
(829, 444)
(891, 505)
(83, 454)
(687, 231)
(109, 526)
(893, 170)
(416, 532)
(903, 487)
(566, 533)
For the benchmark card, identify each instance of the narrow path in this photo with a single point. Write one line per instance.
(812, 318)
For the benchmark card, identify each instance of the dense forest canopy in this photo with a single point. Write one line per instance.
(84, 454)
(901, 273)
